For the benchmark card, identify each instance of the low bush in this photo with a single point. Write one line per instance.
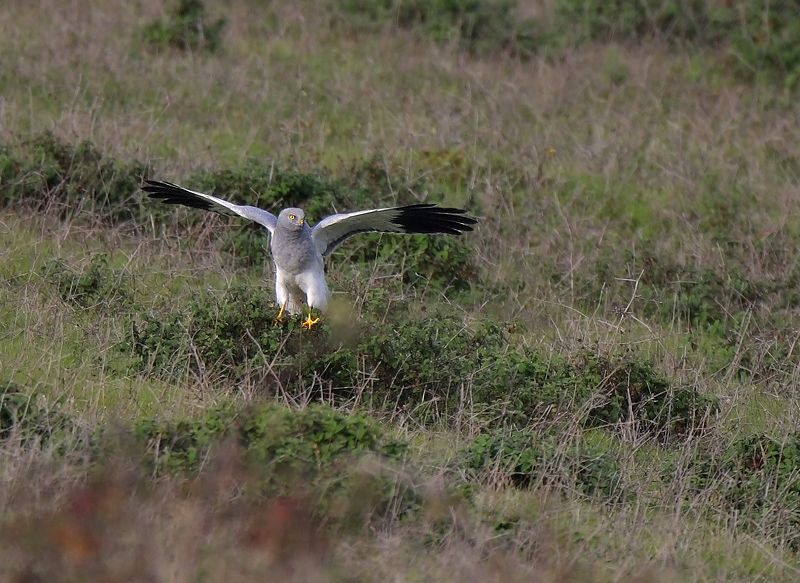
(633, 392)
(443, 262)
(673, 292)
(270, 187)
(274, 438)
(337, 459)
(431, 365)
(699, 296)
(610, 391)
(25, 416)
(692, 20)
(757, 477)
(49, 173)
(186, 27)
(477, 26)
(766, 41)
(717, 306)
(712, 303)
(759, 37)
(523, 458)
(95, 285)
(234, 333)
(230, 334)
(520, 384)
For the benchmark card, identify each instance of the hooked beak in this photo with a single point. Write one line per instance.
(301, 221)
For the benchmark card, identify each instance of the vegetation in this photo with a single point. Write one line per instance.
(760, 38)
(25, 418)
(599, 383)
(96, 285)
(275, 437)
(478, 26)
(523, 458)
(45, 172)
(185, 28)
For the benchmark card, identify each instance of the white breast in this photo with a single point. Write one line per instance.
(312, 282)
(307, 287)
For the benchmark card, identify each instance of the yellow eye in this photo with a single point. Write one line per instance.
(292, 217)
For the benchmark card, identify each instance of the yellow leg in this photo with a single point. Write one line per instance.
(279, 319)
(310, 322)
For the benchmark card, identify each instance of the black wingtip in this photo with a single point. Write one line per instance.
(170, 193)
(155, 187)
(429, 218)
(158, 185)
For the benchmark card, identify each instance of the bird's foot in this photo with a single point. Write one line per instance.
(279, 318)
(310, 322)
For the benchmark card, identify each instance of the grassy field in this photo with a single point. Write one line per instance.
(601, 382)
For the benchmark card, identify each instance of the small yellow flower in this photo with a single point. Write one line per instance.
(551, 152)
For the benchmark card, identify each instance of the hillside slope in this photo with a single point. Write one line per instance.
(599, 383)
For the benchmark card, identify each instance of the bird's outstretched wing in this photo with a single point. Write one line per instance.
(415, 218)
(170, 193)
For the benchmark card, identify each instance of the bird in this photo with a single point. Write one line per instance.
(299, 250)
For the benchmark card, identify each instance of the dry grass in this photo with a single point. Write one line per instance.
(591, 173)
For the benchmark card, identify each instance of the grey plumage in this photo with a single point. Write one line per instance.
(298, 250)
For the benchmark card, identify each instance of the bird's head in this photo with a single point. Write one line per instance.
(292, 219)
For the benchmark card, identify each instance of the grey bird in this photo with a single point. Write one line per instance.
(298, 250)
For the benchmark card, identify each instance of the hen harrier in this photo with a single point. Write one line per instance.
(298, 250)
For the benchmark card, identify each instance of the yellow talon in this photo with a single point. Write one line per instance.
(279, 319)
(309, 323)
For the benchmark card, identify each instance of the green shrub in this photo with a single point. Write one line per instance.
(275, 439)
(316, 452)
(97, 284)
(766, 40)
(668, 291)
(716, 305)
(477, 26)
(427, 361)
(701, 297)
(229, 333)
(248, 243)
(269, 187)
(48, 173)
(762, 36)
(23, 415)
(522, 384)
(433, 365)
(157, 344)
(187, 27)
(430, 364)
(758, 478)
(234, 334)
(596, 20)
(632, 391)
(523, 458)
(441, 261)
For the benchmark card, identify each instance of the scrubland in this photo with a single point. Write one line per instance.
(599, 383)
